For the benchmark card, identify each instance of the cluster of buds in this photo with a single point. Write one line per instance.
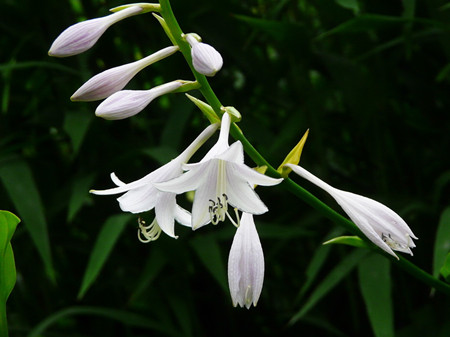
(109, 84)
(221, 180)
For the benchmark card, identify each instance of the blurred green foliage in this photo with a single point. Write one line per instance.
(370, 79)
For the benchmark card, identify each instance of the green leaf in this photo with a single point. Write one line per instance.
(80, 193)
(375, 285)
(445, 270)
(442, 242)
(18, 180)
(354, 241)
(76, 124)
(349, 4)
(154, 264)
(329, 282)
(106, 240)
(125, 317)
(208, 251)
(8, 224)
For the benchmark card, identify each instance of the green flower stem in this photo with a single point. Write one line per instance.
(291, 186)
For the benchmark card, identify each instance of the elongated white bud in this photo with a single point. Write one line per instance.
(127, 103)
(83, 35)
(246, 264)
(380, 224)
(112, 80)
(205, 59)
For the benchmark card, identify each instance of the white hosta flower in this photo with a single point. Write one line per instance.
(246, 264)
(380, 224)
(219, 179)
(127, 103)
(205, 59)
(141, 195)
(83, 35)
(112, 80)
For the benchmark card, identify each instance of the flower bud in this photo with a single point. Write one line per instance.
(205, 59)
(83, 35)
(112, 80)
(246, 264)
(127, 103)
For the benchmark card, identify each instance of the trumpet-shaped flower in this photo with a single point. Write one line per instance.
(141, 195)
(219, 179)
(205, 59)
(112, 80)
(380, 224)
(127, 103)
(83, 35)
(246, 264)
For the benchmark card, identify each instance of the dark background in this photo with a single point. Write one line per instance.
(371, 83)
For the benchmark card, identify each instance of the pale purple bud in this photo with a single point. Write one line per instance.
(83, 35)
(127, 103)
(205, 59)
(246, 264)
(112, 80)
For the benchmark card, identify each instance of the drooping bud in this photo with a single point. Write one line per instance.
(127, 103)
(205, 59)
(83, 35)
(112, 80)
(246, 264)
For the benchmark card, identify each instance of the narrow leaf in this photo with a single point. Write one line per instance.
(442, 242)
(18, 180)
(106, 240)
(8, 224)
(375, 285)
(125, 317)
(208, 251)
(80, 193)
(445, 270)
(354, 241)
(329, 282)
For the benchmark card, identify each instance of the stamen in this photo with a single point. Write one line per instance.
(387, 238)
(218, 211)
(148, 233)
(248, 296)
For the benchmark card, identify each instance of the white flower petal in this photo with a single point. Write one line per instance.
(244, 198)
(83, 35)
(205, 59)
(256, 178)
(379, 223)
(246, 264)
(182, 216)
(112, 80)
(165, 210)
(127, 103)
(140, 199)
(206, 192)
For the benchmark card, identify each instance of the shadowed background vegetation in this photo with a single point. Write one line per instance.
(370, 79)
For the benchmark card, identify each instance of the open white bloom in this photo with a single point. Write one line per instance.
(83, 35)
(380, 224)
(127, 103)
(205, 59)
(219, 179)
(112, 80)
(246, 264)
(141, 195)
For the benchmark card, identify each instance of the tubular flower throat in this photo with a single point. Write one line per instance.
(142, 196)
(220, 179)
